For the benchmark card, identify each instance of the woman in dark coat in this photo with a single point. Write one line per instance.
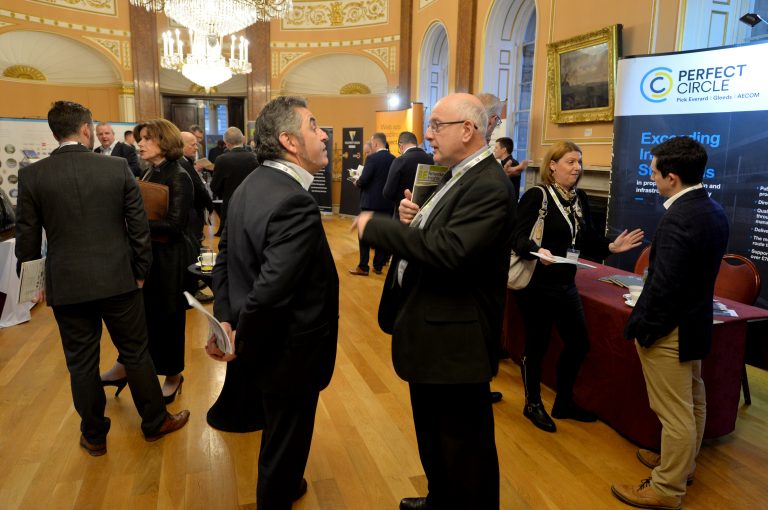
(172, 251)
(551, 298)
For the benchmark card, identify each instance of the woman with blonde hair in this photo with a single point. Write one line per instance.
(551, 298)
(160, 144)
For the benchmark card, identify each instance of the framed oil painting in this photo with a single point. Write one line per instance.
(581, 74)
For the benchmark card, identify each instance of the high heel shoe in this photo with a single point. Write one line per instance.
(119, 383)
(170, 398)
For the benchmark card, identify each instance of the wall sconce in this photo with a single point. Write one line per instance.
(393, 100)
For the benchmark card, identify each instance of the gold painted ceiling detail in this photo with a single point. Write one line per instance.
(200, 90)
(23, 72)
(338, 14)
(335, 44)
(281, 60)
(387, 55)
(354, 88)
(5, 24)
(111, 45)
(107, 7)
(63, 24)
(424, 3)
(126, 55)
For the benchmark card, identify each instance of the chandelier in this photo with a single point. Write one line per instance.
(205, 64)
(219, 17)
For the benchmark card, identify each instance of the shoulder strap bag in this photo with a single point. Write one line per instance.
(520, 269)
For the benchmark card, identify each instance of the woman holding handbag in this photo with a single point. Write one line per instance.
(172, 251)
(551, 297)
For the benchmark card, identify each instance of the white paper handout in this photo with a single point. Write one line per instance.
(31, 279)
(555, 259)
(214, 326)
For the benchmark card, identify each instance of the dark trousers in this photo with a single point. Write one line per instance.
(80, 329)
(285, 442)
(455, 434)
(380, 256)
(542, 307)
(166, 339)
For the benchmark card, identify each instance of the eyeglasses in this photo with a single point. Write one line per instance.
(498, 120)
(436, 125)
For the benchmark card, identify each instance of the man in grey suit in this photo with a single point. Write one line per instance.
(671, 323)
(443, 302)
(277, 293)
(99, 253)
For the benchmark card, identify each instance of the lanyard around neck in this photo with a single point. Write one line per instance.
(574, 226)
(423, 215)
(284, 168)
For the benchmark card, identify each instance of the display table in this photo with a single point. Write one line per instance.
(611, 380)
(12, 312)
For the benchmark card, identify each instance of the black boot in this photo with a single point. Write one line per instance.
(534, 409)
(566, 408)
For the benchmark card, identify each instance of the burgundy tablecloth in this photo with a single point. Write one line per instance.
(611, 380)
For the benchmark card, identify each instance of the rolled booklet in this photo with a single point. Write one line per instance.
(555, 259)
(214, 326)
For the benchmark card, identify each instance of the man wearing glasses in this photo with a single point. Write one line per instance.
(443, 301)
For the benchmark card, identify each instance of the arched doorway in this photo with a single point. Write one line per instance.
(433, 69)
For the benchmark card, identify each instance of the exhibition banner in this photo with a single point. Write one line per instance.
(321, 185)
(718, 97)
(24, 141)
(351, 157)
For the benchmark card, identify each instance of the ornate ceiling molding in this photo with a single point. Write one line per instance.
(387, 55)
(5, 24)
(282, 59)
(424, 3)
(4, 13)
(318, 15)
(111, 45)
(106, 7)
(24, 72)
(355, 88)
(335, 44)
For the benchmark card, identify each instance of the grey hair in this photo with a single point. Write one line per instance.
(233, 136)
(491, 103)
(277, 116)
(469, 110)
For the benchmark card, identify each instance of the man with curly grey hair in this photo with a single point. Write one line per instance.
(277, 293)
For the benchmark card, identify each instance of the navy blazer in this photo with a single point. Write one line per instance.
(275, 282)
(685, 257)
(372, 180)
(402, 173)
(128, 153)
(93, 215)
(447, 315)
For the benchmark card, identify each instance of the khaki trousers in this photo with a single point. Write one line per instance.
(677, 396)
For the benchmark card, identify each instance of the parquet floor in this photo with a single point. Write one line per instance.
(364, 453)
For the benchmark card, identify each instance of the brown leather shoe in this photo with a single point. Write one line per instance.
(93, 449)
(645, 496)
(358, 271)
(652, 460)
(172, 423)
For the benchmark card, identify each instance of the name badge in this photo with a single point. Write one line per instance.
(572, 254)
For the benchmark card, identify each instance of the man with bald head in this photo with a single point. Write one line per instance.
(443, 301)
(202, 200)
(231, 169)
(111, 147)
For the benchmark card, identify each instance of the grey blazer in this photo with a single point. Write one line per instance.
(91, 209)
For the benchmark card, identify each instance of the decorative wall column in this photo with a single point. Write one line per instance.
(258, 86)
(406, 43)
(465, 45)
(145, 58)
(127, 104)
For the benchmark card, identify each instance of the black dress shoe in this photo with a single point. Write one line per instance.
(414, 504)
(570, 410)
(539, 417)
(302, 489)
(496, 397)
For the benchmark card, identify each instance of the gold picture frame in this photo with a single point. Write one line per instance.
(581, 74)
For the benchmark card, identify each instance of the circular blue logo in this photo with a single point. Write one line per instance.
(656, 84)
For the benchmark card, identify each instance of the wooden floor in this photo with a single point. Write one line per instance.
(364, 451)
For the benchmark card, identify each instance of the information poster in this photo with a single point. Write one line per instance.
(718, 97)
(321, 185)
(351, 158)
(24, 141)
